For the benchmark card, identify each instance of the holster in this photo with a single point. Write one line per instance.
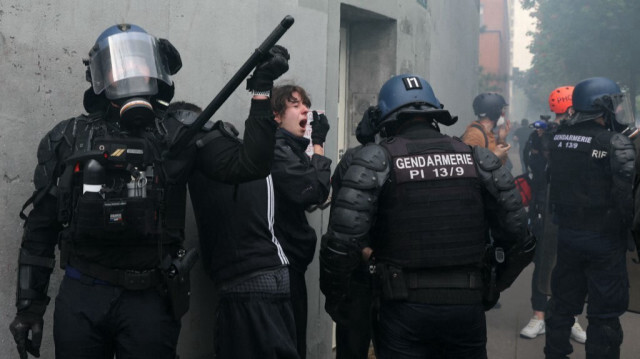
(175, 274)
(490, 293)
(392, 283)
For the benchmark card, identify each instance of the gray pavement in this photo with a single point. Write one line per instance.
(504, 325)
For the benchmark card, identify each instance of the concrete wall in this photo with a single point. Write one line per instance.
(42, 82)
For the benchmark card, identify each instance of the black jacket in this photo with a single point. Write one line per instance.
(299, 182)
(235, 224)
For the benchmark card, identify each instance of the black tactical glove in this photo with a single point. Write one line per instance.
(273, 66)
(336, 265)
(319, 128)
(24, 322)
(366, 130)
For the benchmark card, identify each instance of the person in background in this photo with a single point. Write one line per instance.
(545, 231)
(490, 109)
(520, 137)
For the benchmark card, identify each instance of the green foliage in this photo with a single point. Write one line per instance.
(578, 39)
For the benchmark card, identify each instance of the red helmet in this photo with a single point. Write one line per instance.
(560, 99)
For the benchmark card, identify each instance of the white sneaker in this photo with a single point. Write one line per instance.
(534, 328)
(577, 333)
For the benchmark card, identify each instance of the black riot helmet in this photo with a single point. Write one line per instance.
(601, 97)
(489, 104)
(132, 69)
(406, 95)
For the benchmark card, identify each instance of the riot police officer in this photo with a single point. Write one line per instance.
(111, 194)
(591, 170)
(401, 205)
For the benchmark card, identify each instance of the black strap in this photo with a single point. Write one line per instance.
(30, 260)
(481, 129)
(208, 138)
(464, 280)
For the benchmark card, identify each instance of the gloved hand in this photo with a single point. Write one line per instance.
(366, 130)
(319, 128)
(24, 322)
(274, 65)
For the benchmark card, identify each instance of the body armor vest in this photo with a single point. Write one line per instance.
(581, 176)
(431, 213)
(138, 204)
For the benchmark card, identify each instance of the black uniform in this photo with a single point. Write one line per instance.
(112, 297)
(353, 331)
(591, 171)
(421, 186)
(245, 260)
(299, 182)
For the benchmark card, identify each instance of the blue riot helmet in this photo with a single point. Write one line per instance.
(601, 97)
(126, 61)
(404, 96)
(539, 125)
(130, 67)
(489, 104)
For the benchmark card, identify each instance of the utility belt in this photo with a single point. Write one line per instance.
(171, 278)
(127, 279)
(432, 286)
(602, 219)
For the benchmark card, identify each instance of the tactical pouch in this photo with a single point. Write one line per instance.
(393, 283)
(120, 219)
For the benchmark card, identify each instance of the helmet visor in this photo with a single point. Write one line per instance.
(622, 109)
(128, 64)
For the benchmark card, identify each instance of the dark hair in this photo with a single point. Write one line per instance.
(281, 94)
(182, 105)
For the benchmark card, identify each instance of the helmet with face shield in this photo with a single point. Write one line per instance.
(126, 62)
(601, 97)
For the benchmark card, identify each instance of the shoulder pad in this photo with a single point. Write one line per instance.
(623, 156)
(59, 130)
(47, 153)
(218, 129)
(208, 126)
(372, 156)
(186, 117)
(621, 142)
(486, 159)
(227, 128)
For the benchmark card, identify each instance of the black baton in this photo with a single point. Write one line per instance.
(231, 86)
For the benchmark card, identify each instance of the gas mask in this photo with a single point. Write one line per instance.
(136, 112)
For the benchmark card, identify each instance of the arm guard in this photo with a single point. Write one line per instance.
(506, 213)
(42, 227)
(33, 282)
(622, 171)
(352, 214)
(507, 219)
